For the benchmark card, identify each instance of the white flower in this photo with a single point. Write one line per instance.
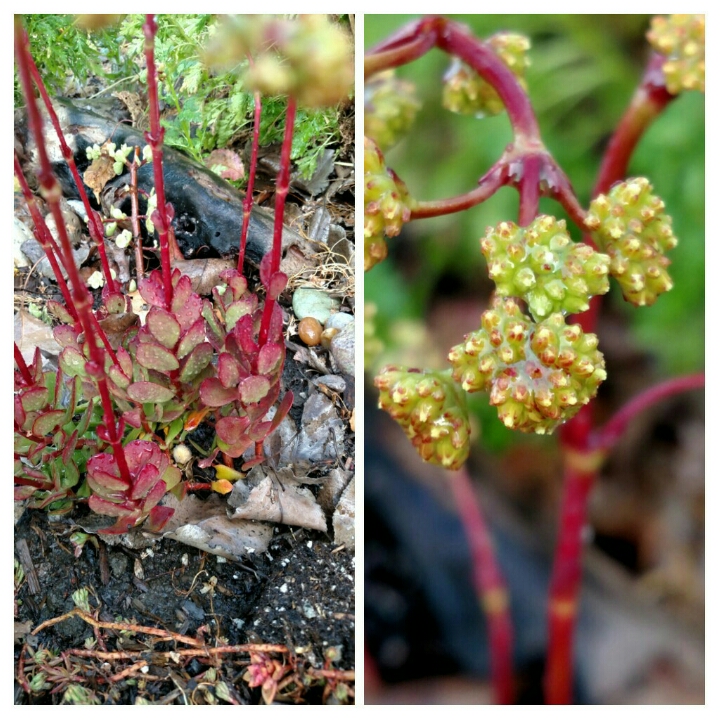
(96, 280)
(123, 239)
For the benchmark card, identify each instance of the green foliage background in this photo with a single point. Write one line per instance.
(207, 108)
(584, 69)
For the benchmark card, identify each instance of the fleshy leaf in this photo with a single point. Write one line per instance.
(213, 394)
(196, 362)
(48, 422)
(228, 370)
(34, 399)
(164, 327)
(254, 389)
(231, 430)
(156, 357)
(146, 479)
(72, 362)
(144, 392)
(269, 358)
(192, 338)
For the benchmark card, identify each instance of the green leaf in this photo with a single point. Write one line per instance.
(156, 357)
(149, 392)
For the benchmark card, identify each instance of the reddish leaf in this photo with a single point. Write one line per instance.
(133, 417)
(187, 307)
(151, 289)
(115, 303)
(34, 399)
(270, 358)
(106, 507)
(243, 333)
(158, 517)
(213, 394)
(253, 389)
(163, 326)
(154, 496)
(60, 312)
(228, 370)
(238, 309)
(282, 410)
(141, 452)
(19, 411)
(144, 482)
(276, 324)
(118, 377)
(72, 362)
(146, 392)
(277, 284)
(156, 357)
(260, 431)
(192, 338)
(48, 422)
(106, 485)
(65, 336)
(231, 430)
(196, 362)
(125, 360)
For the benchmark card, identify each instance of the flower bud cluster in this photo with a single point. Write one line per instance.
(430, 410)
(390, 108)
(309, 57)
(466, 93)
(630, 225)
(543, 266)
(681, 38)
(387, 204)
(538, 376)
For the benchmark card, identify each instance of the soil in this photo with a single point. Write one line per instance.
(300, 595)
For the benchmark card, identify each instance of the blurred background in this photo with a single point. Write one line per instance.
(641, 631)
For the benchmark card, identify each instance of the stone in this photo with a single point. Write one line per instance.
(342, 349)
(310, 302)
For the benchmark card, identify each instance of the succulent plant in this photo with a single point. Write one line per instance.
(431, 411)
(538, 376)
(543, 266)
(630, 225)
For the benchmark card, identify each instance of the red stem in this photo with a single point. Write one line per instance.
(155, 140)
(82, 301)
(22, 367)
(605, 437)
(45, 239)
(488, 185)
(529, 189)
(281, 190)
(248, 200)
(489, 586)
(581, 462)
(95, 226)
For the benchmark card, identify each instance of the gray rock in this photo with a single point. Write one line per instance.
(339, 320)
(310, 302)
(334, 382)
(342, 349)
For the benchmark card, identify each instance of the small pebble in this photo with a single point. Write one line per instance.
(327, 335)
(310, 302)
(310, 331)
(339, 320)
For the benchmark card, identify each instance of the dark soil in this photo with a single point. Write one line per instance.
(300, 595)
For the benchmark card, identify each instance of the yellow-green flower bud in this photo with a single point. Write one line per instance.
(631, 227)
(681, 38)
(465, 92)
(538, 376)
(543, 266)
(390, 108)
(387, 204)
(431, 410)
